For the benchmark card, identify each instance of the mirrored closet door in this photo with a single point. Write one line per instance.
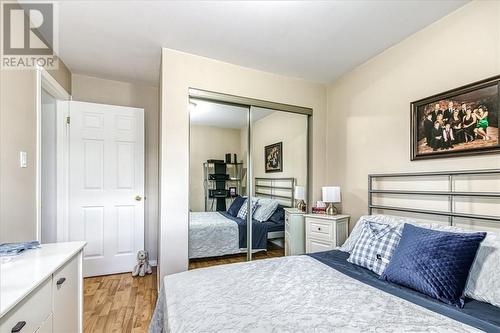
(218, 182)
(279, 143)
(247, 165)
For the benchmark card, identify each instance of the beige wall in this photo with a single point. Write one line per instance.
(18, 133)
(180, 71)
(289, 128)
(207, 142)
(369, 108)
(96, 90)
(62, 75)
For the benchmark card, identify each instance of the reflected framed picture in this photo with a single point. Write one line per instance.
(273, 157)
(232, 191)
(459, 122)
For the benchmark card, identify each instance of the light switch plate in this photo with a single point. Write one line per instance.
(23, 159)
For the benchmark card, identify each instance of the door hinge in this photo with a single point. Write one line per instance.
(68, 120)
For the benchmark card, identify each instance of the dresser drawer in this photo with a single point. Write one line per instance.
(32, 310)
(320, 229)
(314, 245)
(65, 291)
(46, 326)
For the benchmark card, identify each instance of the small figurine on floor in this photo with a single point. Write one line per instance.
(143, 267)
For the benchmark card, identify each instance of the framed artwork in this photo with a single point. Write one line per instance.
(273, 157)
(232, 191)
(459, 122)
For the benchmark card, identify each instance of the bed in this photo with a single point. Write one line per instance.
(318, 292)
(213, 234)
(309, 293)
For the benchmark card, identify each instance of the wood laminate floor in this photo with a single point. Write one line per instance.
(121, 303)
(273, 251)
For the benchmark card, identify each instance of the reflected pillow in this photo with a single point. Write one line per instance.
(436, 263)
(235, 206)
(243, 212)
(265, 209)
(278, 215)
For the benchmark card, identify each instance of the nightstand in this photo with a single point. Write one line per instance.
(325, 232)
(294, 232)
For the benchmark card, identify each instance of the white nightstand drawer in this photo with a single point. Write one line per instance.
(321, 230)
(314, 245)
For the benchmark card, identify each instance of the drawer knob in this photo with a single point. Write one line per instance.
(60, 281)
(19, 326)
(319, 228)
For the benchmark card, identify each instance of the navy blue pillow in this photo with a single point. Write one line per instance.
(278, 215)
(235, 206)
(436, 263)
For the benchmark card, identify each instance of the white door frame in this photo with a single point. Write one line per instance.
(45, 81)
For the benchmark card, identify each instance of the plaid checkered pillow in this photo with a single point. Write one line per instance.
(375, 246)
(242, 213)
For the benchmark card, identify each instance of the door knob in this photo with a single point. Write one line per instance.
(138, 198)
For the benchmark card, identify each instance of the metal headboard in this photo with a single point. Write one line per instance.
(450, 194)
(280, 189)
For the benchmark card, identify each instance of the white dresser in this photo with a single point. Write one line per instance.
(325, 232)
(41, 290)
(294, 232)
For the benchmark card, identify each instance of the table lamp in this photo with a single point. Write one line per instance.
(331, 195)
(300, 196)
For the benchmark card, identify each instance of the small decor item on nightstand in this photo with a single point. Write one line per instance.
(319, 210)
(300, 196)
(331, 195)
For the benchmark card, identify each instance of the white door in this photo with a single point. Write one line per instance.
(106, 185)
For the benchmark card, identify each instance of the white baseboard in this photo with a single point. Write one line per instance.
(153, 263)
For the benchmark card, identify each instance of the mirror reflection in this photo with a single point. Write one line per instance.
(232, 204)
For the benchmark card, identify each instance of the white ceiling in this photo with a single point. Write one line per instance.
(316, 40)
(223, 115)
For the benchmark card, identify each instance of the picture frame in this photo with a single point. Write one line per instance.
(460, 122)
(232, 191)
(273, 157)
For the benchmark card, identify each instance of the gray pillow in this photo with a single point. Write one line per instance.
(265, 210)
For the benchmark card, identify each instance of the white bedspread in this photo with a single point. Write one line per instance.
(290, 294)
(211, 235)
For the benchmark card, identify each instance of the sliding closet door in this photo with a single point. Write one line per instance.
(252, 157)
(279, 179)
(218, 179)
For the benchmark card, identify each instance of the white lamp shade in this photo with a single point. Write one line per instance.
(300, 193)
(331, 194)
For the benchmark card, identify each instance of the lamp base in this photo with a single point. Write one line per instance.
(301, 205)
(331, 210)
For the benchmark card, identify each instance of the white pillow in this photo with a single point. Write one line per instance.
(350, 242)
(266, 208)
(483, 283)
